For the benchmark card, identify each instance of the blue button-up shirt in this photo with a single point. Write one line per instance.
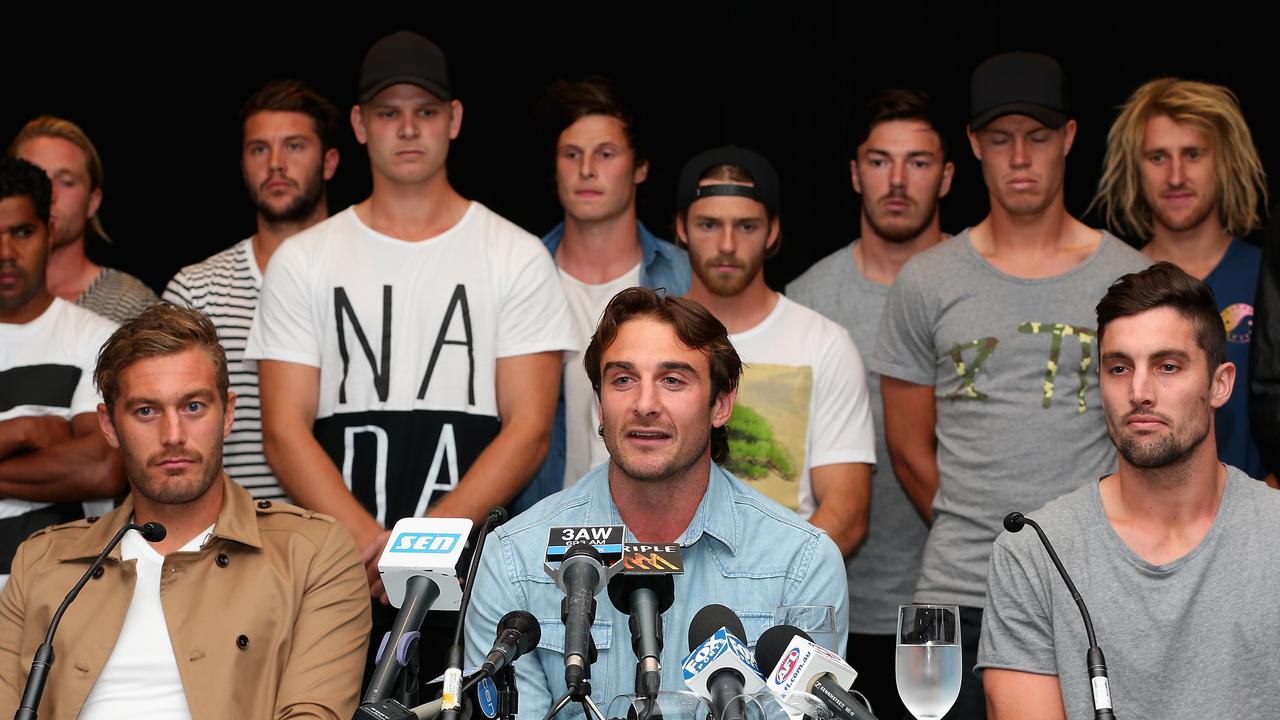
(741, 550)
(662, 265)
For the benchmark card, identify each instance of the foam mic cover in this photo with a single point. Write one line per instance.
(710, 619)
(153, 532)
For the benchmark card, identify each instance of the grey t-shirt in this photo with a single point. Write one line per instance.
(1012, 363)
(884, 569)
(1194, 638)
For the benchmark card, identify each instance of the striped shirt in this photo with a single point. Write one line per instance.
(117, 295)
(225, 287)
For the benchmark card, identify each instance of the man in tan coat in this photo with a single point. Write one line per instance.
(244, 609)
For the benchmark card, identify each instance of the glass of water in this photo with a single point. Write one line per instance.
(928, 662)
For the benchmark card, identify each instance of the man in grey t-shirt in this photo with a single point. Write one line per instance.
(985, 346)
(1174, 553)
(900, 169)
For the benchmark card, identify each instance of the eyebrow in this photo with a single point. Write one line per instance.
(910, 153)
(201, 394)
(664, 366)
(1166, 353)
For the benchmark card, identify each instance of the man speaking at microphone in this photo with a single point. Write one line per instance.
(666, 376)
(1174, 554)
(243, 609)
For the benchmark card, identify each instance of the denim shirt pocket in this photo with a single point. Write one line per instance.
(552, 641)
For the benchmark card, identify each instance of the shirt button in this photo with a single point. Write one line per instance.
(223, 560)
(91, 520)
(242, 642)
(264, 504)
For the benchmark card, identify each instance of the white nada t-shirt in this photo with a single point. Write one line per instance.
(407, 336)
(802, 403)
(583, 447)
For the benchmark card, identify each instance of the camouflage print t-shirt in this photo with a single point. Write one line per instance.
(1013, 363)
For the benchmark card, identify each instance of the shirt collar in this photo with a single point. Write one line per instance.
(237, 522)
(717, 513)
(648, 242)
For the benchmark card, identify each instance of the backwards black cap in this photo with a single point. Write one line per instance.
(766, 190)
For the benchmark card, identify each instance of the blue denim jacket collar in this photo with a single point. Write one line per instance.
(662, 264)
(716, 514)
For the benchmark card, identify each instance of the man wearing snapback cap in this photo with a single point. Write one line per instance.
(985, 349)
(801, 430)
(409, 346)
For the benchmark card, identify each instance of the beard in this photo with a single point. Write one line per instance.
(903, 233)
(1164, 451)
(173, 489)
(726, 285)
(302, 206)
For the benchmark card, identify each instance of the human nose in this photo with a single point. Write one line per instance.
(1177, 173)
(898, 175)
(586, 168)
(647, 400)
(172, 431)
(1142, 389)
(276, 159)
(408, 128)
(1020, 157)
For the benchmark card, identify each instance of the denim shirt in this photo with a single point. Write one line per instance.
(741, 550)
(663, 265)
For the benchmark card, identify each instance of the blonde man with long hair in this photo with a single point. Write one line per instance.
(63, 150)
(1182, 175)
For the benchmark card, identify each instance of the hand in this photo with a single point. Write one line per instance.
(369, 555)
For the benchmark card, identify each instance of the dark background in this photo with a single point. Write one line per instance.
(161, 103)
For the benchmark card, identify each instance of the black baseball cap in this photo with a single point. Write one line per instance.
(1018, 83)
(766, 190)
(404, 57)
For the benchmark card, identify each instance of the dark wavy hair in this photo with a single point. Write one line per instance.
(696, 328)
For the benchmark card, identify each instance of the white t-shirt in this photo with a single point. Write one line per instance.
(141, 675)
(802, 403)
(407, 336)
(225, 287)
(583, 447)
(46, 368)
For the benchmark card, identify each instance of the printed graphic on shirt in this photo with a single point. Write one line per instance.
(51, 386)
(768, 428)
(1238, 320)
(396, 463)
(983, 348)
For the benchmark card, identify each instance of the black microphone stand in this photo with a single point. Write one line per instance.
(43, 661)
(452, 679)
(1099, 685)
(508, 697)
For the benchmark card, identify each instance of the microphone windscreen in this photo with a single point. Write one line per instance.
(583, 549)
(773, 642)
(500, 515)
(524, 622)
(153, 532)
(1014, 521)
(622, 585)
(710, 619)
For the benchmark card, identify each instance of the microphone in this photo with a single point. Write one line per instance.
(644, 598)
(719, 667)
(451, 693)
(418, 571)
(1099, 685)
(800, 665)
(518, 633)
(43, 661)
(581, 575)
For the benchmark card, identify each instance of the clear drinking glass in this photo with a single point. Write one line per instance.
(928, 662)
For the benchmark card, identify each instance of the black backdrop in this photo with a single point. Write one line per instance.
(161, 101)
